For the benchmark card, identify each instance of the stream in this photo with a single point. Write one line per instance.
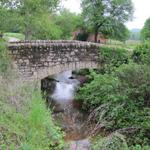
(67, 113)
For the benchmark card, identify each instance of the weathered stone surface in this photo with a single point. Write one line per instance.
(45, 57)
(80, 145)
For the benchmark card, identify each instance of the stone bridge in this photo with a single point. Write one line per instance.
(39, 59)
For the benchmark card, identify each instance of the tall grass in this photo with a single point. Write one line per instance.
(33, 130)
(41, 133)
(25, 121)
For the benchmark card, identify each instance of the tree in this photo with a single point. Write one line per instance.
(100, 14)
(10, 21)
(145, 33)
(31, 12)
(46, 28)
(68, 22)
(120, 32)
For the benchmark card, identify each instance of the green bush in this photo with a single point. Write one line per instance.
(122, 98)
(112, 58)
(114, 141)
(139, 147)
(141, 54)
(145, 32)
(45, 28)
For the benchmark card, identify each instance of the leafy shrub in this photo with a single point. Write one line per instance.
(114, 141)
(45, 28)
(113, 57)
(141, 54)
(122, 99)
(96, 93)
(139, 147)
(145, 32)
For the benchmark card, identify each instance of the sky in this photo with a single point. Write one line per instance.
(141, 13)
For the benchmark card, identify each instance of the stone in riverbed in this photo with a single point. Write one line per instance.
(80, 145)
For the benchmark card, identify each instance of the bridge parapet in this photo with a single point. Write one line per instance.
(38, 59)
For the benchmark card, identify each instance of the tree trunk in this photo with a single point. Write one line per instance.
(27, 25)
(96, 35)
(28, 34)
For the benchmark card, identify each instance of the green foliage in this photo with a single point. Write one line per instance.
(122, 98)
(26, 17)
(11, 21)
(45, 28)
(4, 59)
(68, 22)
(145, 33)
(30, 4)
(114, 141)
(33, 129)
(36, 19)
(119, 32)
(25, 121)
(95, 93)
(138, 147)
(106, 15)
(41, 132)
(113, 57)
(141, 54)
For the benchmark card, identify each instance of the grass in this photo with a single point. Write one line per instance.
(25, 121)
(33, 130)
(129, 44)
(14, 35)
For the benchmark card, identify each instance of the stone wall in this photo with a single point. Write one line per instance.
(38, 59)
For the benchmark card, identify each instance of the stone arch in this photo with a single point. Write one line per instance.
(38, 59)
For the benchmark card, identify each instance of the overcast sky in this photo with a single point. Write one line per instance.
(142, 11)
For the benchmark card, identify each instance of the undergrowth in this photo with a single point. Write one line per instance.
(25, 121)
(118, 97)
(31, 130)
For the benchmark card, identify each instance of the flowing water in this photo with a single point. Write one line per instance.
(69, 116)
(65, 89)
